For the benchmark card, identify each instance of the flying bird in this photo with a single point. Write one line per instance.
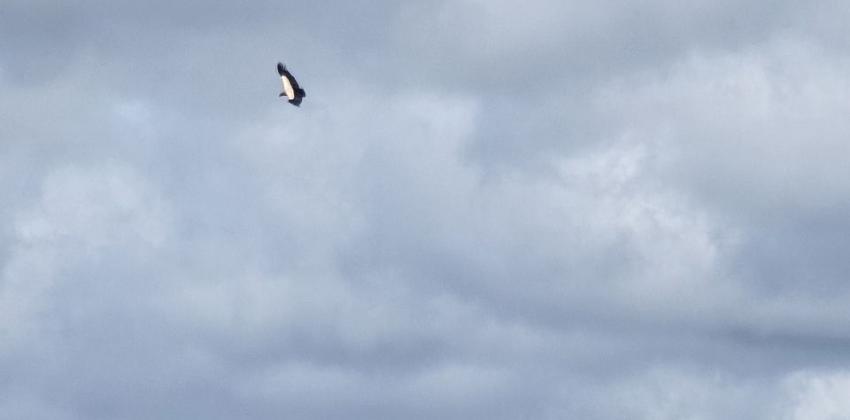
(291, 90)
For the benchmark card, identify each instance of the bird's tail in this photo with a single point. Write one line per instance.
(302, 93)
(281, 94)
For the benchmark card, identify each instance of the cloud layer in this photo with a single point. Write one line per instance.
(573, 210)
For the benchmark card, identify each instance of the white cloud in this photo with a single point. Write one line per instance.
(83, 215)
(818, 395)
(757, 127)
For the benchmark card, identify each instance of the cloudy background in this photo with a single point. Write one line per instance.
(559, 209)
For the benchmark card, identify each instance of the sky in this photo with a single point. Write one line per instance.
(565, 209)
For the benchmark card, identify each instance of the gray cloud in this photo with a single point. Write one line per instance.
(565, 210)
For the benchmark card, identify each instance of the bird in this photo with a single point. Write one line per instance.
(291, 90)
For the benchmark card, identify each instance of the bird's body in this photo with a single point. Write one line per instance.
(291, 90)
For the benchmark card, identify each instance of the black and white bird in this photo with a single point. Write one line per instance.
(291, 90)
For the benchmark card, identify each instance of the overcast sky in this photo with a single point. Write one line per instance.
(483, 209)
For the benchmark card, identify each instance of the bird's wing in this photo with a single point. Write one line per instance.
(287, 87)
